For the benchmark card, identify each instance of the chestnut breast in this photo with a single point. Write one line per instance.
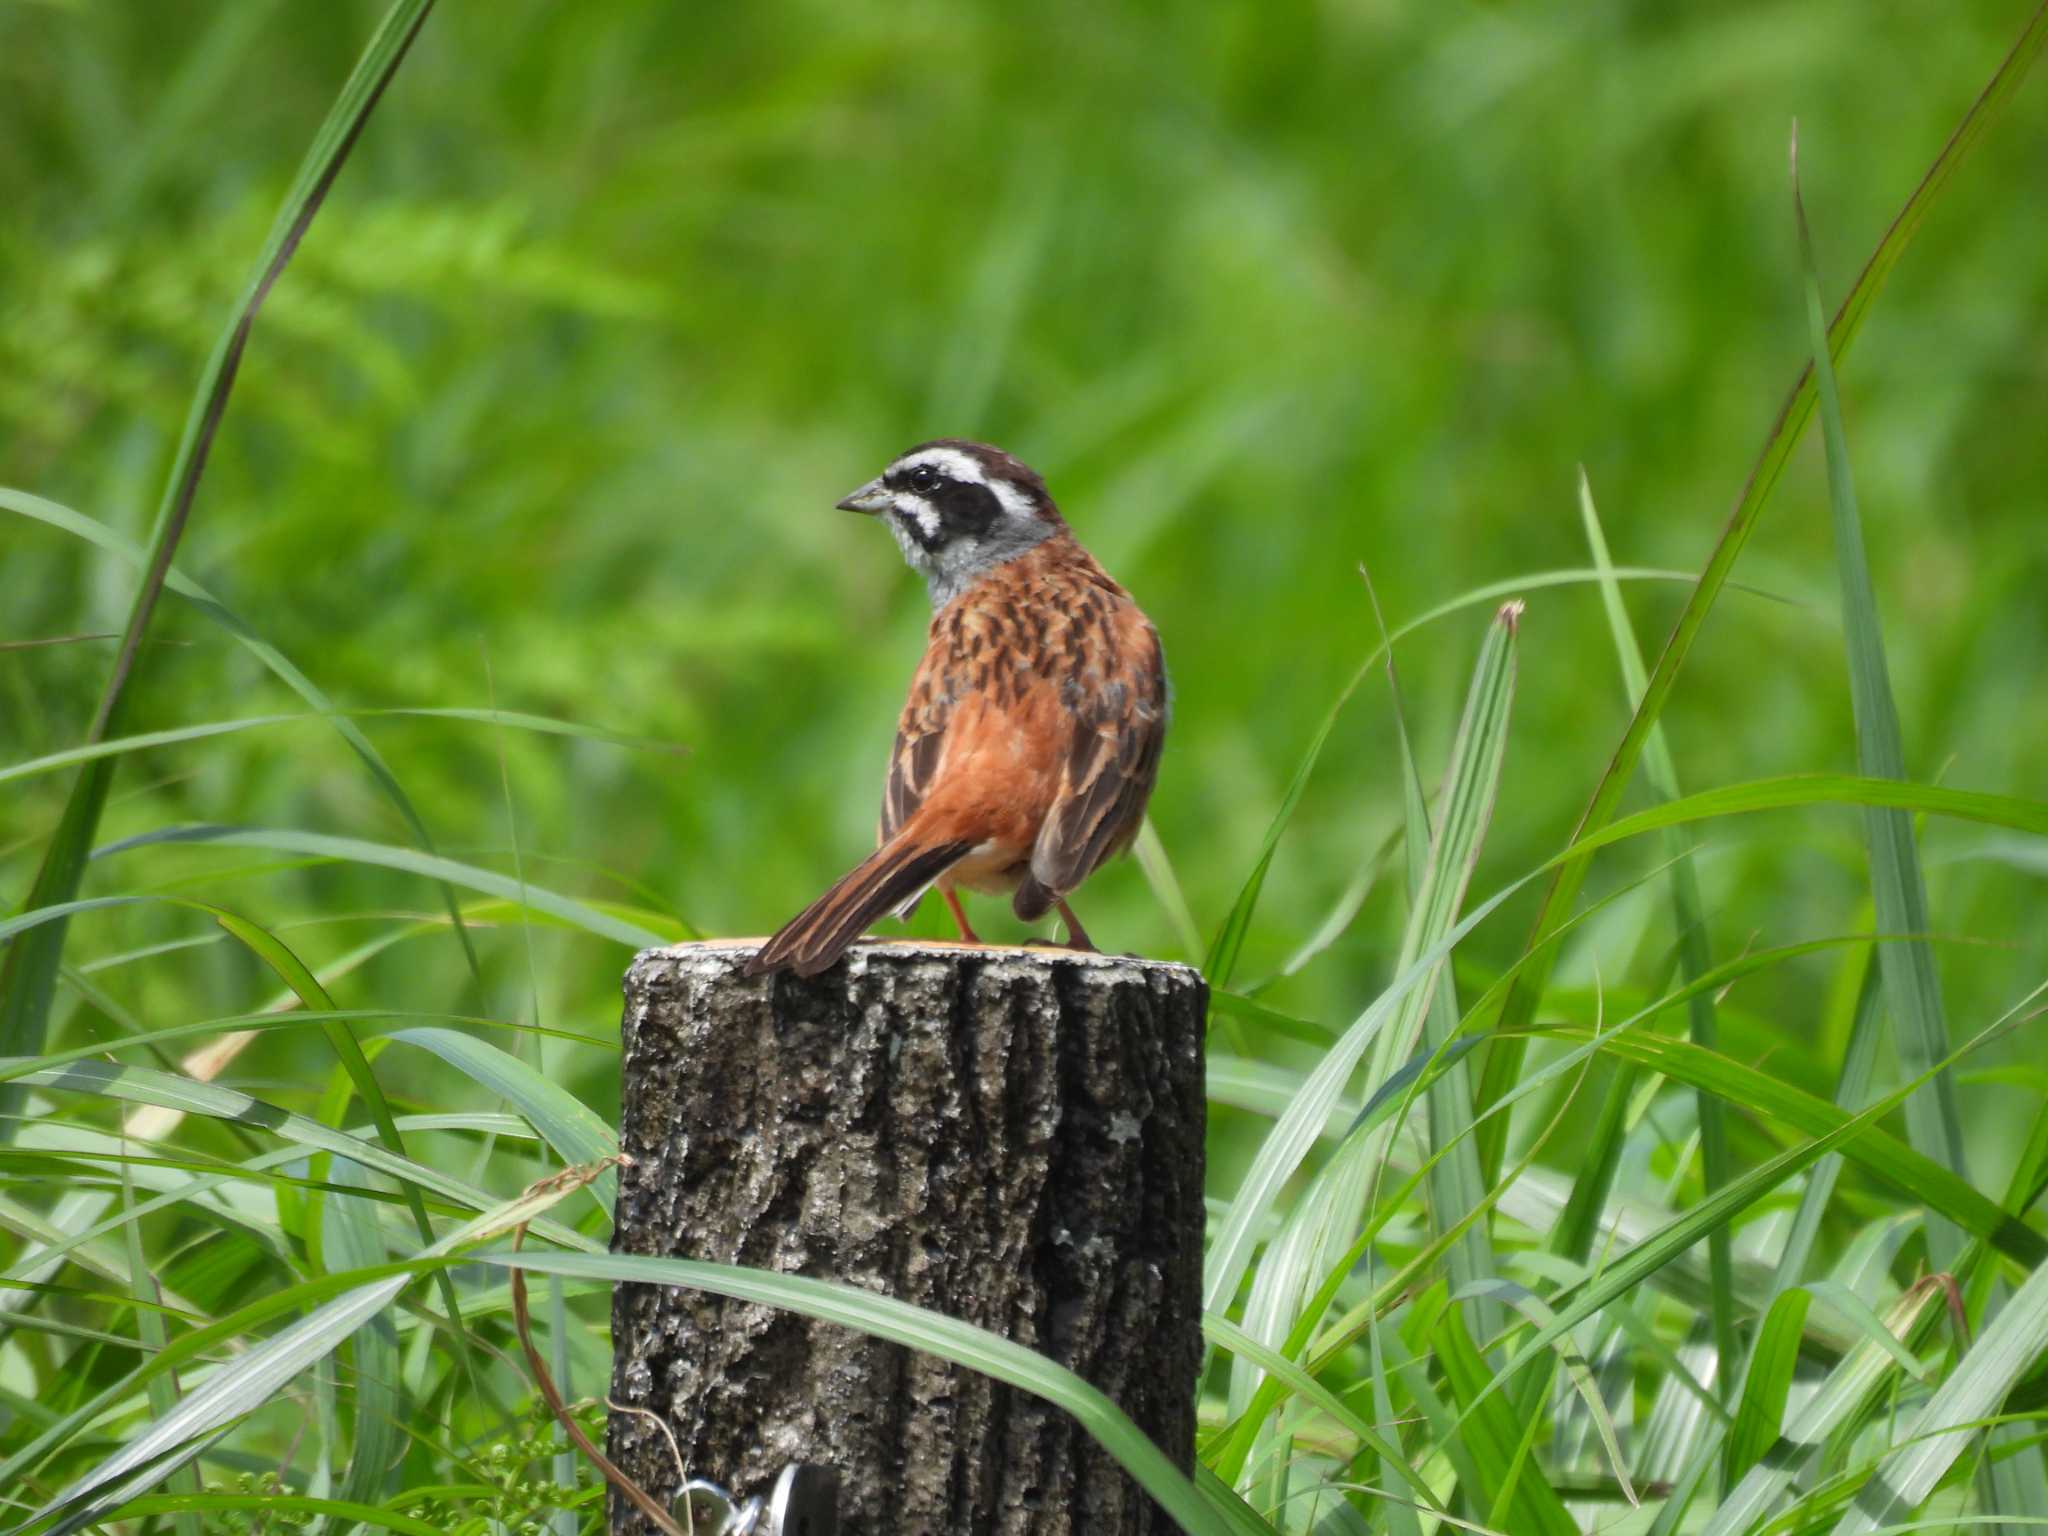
(1033, 677)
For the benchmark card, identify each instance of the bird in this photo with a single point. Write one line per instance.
(1030, 742)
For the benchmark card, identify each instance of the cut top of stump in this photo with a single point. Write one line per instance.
(719, 955)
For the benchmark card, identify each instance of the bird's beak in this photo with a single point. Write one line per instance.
(870, 498)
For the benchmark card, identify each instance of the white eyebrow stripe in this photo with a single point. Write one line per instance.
(958, 465)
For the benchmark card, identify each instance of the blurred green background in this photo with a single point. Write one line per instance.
(613, 301)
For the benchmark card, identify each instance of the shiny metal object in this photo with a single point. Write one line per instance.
(805, 1503)
(705, 1509)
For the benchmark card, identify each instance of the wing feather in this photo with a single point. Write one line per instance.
(914, 759)
(1110, 771)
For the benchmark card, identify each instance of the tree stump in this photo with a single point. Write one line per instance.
(1012, 1137)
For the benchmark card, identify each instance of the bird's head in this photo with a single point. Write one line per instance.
(959, 509)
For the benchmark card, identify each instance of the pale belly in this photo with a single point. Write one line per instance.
(993, 869)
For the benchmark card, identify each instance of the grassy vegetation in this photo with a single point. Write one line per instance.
(1669, 1165)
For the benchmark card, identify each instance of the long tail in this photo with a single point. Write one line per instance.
(893, 875)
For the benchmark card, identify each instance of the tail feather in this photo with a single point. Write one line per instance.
(888, 879)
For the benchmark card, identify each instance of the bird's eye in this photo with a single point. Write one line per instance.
(924, 478)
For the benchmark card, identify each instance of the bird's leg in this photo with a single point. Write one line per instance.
(967, 933)
(1077, 936)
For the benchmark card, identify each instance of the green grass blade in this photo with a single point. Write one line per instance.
(1468, 801)
(2005, 1351)
(1798, 789)
(1223, 952)
(277, 663)
(145, 1085)
(1221, 962)
(252, 1379)
(1852, 1089)
(1844, 1302)
(28, 976)
(1228, 1336)
(1893, 1161)
(1471, 783)
(350, 1238)
(1647, 1257)
(1521, 1499)
(1767, 1383)
(1150, 853)
(411, 861)
(1454, 1184)
(1321, 1222)
(1689, 919)
(294, 973)
(1198, 1511)
(72, 756)
(1841, 1398)
(1898, 886)
(576, 1132)
(1504, 1061)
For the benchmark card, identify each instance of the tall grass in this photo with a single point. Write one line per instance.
(1633, 1225)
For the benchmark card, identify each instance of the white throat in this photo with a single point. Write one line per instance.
(952, 568)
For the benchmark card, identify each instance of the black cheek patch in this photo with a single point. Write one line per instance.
(966, 507)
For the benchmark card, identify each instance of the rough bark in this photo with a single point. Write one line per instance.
(1011, 1137)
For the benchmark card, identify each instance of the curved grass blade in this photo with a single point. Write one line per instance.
(1209, 1511)
(292, 971)
(1152, 859)
(576, 1131)
(410, 860)
(269, 655)
(28, 976)
(115, 747)
(1221, 962)
(1800, 789)
(1504, 1062)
